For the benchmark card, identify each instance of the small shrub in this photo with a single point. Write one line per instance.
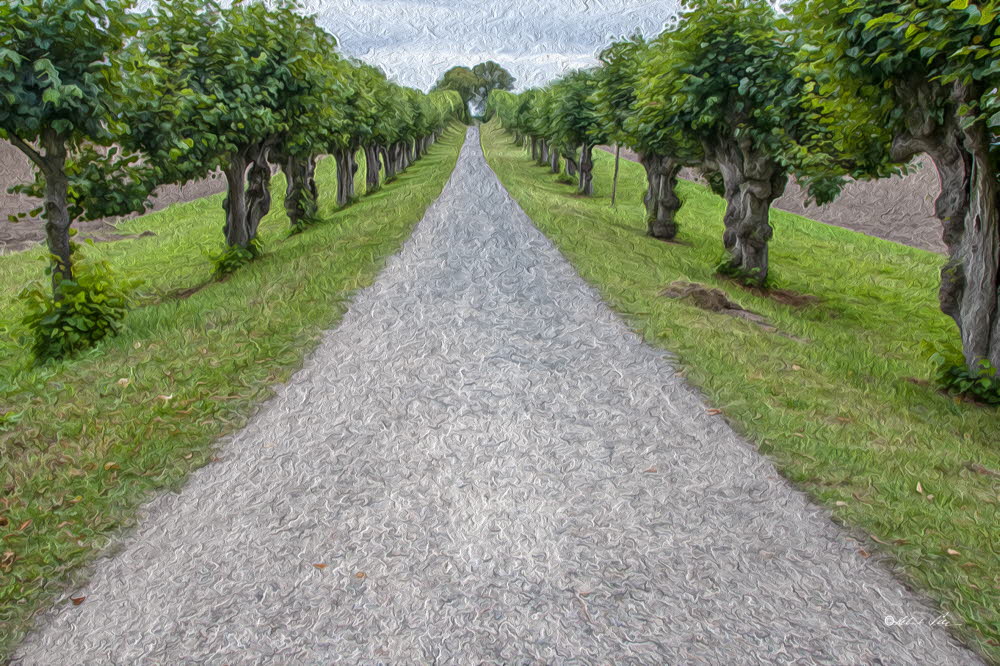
(953, 376)
(232, 259)
(90, 308)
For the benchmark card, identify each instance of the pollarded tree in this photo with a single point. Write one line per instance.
(357, 113)
(313, 115)
(576, 126)
(661, 148)
(724, 77)
(62, 95)
(925, 74)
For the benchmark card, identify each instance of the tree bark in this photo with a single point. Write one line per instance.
(572, 168)
(752, 181)
(543, 153)
(969, 210)
(301, 193)
(248, 194)
(258, 197)
(554, 160)
(587, 169)
(388, 162)
(235, 202)
(661, 200)
(55, 205)
(534, 149)
(372, 169)
(55, 202)
(346, 168)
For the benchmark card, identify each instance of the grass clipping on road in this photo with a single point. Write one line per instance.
(96, 435)
(830, 377)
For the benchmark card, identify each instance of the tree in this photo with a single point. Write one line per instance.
(463, 81)
(491, 76)
(662, 150)
(923, 75)
(63, 95)
(724, 78)
(313, 110)
(575, 125)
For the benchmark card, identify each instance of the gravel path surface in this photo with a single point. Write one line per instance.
(492, 468)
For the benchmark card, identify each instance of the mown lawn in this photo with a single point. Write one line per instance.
(93, 437)
(838, 397)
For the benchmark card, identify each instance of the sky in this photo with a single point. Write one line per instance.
(415, 41)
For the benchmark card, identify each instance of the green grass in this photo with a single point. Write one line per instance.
(97, 435)
(835, 409)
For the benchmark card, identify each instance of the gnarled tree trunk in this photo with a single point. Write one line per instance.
(661, 200)
(388, 162)
(969, 210)
(752, 181)
(301, 193)
(258, 198)
(587, 169)
(346, 168)
(572, 168)
(55, 203)
(371, 169)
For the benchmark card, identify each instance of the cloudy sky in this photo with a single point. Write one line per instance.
(414, 41)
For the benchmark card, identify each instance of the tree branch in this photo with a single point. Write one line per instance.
(25, 148)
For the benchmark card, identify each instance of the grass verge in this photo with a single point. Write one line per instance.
(95, 436)
(836, 391)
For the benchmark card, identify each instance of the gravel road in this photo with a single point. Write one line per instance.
(483, 464)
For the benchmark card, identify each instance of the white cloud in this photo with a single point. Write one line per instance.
(537, 40)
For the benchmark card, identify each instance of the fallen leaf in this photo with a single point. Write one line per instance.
(320, 566)
(24, 525)
(969, 565)
(7, 559)
(110, 466)
(650, 470)
(124, 381)
(930, 497)
(77, 600)
(361, 574)
(137, 345)
(877, 540)
(796, 367)
(864, 553)
(714, 412)
(840, 503)
(164, 398)
(952, 551)
(920, 488)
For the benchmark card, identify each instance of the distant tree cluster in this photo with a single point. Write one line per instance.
(476, 84)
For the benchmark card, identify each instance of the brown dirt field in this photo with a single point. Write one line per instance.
(15, 168)
(899, 209)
